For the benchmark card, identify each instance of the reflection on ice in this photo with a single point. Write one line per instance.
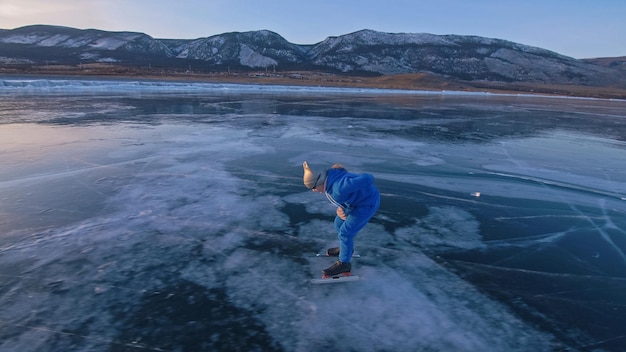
(172, 222)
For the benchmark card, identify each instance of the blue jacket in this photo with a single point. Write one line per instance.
(355, 193)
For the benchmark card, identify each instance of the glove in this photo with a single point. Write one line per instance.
(341, 214)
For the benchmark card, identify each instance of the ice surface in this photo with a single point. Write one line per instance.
(148, 220)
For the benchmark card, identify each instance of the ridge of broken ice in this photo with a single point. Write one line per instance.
(63, 85)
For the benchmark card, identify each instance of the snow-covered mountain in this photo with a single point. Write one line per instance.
(362, 52)
(464, 57)
(250, 49)
(54, 44)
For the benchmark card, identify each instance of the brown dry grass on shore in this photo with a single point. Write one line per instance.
(409, 81)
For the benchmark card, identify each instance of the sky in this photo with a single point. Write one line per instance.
(576, 28)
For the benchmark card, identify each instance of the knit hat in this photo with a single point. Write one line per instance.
(310, 178)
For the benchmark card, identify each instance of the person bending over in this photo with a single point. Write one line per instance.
(356, 198)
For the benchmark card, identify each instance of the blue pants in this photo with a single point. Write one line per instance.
(346, 230)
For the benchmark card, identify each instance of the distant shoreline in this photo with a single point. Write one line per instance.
(413, 82)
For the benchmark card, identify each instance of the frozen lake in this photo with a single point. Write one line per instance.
(156, 216)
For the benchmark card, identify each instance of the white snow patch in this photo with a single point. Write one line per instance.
(108, 43)
(54, 40)
(251, 58)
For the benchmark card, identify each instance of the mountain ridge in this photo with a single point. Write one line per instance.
(361, 53)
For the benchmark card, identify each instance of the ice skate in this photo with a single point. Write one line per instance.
(337, 269)
(332, 252)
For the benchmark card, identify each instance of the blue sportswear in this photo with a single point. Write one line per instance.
(359, 198)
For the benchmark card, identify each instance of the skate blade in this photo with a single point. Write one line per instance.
(338, 276)
(328, 256)
(336, 279)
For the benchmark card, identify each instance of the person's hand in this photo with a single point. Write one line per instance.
(341, 214)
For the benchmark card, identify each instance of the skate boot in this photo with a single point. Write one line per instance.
(337, 269)
(334, 252)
